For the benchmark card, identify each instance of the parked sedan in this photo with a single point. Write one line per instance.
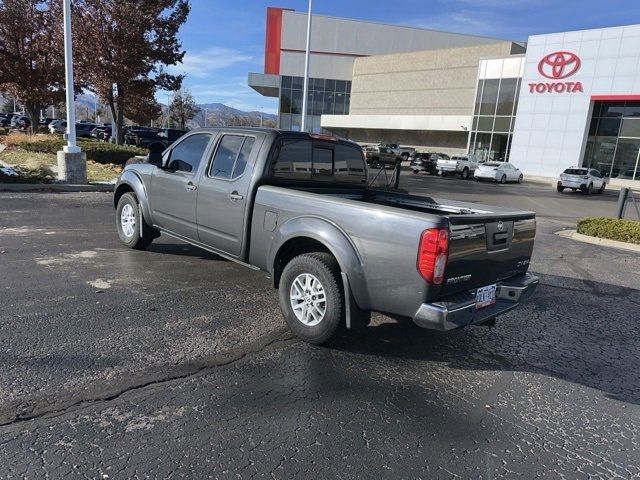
(502, 172)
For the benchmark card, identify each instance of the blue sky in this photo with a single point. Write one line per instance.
(224, 39)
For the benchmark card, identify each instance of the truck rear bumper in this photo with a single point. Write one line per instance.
(460, 310)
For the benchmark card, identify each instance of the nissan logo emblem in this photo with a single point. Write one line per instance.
(558, 65)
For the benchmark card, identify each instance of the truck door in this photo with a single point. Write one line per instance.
(224, 187)
(174, 188)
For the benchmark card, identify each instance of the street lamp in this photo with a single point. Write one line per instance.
(72, 163)
(305, 92)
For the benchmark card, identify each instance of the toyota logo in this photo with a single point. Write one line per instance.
(559, 65)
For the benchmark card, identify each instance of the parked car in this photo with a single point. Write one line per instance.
(463, 164)
(105, 135)
(83, 129)
(20, 121)
(152, 138)
(584, 179)
(502, 172)
(424, 162)
(5, 119)
(98, 132)
(381, 157)
(58, 126)
(298, 207)
(45, 121)
(404, 152)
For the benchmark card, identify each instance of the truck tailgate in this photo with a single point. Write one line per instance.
(485, 249)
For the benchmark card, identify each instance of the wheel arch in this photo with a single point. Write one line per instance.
(131, 182)
(307, 234)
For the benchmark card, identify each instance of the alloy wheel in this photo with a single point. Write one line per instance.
(308, 299)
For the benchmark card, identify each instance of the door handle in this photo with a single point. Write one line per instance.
(235, 196)
(190, 186)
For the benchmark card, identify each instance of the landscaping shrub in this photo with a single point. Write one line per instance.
(26, 175)
(611, 228)
(100, 152)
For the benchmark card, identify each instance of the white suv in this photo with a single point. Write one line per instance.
(584, 179)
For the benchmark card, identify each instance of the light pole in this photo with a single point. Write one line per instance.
(305, 91)
(72, 163)
(71, 146)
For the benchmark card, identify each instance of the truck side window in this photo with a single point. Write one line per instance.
(186, 156)
(231, 156)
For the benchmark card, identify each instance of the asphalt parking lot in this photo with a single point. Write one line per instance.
(175, 363)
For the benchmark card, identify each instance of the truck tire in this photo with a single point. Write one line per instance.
(311, 297)
(465, 174)
(444, 174)
(128, 222)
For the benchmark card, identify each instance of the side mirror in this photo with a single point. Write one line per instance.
(155, 158)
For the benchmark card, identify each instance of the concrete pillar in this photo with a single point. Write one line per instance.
(72, 167)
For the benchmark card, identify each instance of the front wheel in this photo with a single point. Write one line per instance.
(129, 222)
(560, 189)
(520, 179)
(602, 187)
(503, 180)
(310, 296)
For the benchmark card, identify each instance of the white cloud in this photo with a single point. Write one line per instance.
(208, 62)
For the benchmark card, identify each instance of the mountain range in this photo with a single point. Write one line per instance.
(218, 114)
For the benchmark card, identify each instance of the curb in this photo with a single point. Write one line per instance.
(54, 187)
(603, 242)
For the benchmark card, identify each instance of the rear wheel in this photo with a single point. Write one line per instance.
(465, 174)
(311, 299)
(444, 174)
(589, 189)
(129, 222)
(503, 179)
(416, 171)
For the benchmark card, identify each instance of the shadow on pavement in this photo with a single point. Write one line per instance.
(564, 333)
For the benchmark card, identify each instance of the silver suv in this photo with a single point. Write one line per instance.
(584, 179)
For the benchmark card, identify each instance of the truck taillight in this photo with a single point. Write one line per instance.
(433, 253)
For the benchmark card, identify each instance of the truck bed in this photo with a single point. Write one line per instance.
(385, 230)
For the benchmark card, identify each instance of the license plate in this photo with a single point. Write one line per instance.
(485, 296)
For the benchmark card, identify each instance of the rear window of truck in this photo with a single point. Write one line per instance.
(307, 160)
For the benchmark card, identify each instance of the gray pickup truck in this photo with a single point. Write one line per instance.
(298, 207)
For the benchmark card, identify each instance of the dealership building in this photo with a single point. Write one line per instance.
(558, 100)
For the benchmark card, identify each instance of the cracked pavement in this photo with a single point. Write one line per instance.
(175, 363)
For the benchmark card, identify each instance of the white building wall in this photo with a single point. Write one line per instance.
(551, 128)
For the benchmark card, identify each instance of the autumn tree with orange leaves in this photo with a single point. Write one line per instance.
(128, 43)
